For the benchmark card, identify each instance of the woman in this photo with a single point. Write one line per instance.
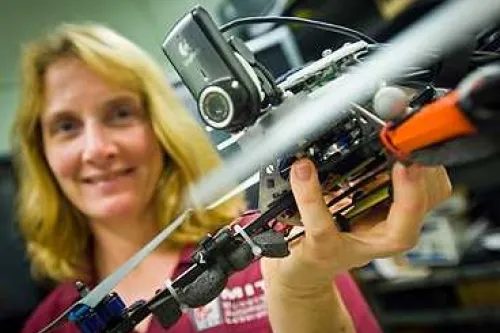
(104, 151)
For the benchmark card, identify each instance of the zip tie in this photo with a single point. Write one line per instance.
(256, 250)
(175, 295)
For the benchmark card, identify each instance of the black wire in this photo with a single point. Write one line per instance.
(485, 58)
(315, 24)
(276, 97)
(490, 41)
(485, 53)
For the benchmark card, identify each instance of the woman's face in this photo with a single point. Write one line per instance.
(99, 142)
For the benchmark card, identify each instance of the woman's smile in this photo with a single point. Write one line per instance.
(110, 181)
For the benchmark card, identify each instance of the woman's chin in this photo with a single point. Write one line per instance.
(113, 210)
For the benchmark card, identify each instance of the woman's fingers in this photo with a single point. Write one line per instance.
(439, 185)
(416, 189)
(306, 189)
(409, 206)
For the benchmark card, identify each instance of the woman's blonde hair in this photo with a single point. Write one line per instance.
(57, 234)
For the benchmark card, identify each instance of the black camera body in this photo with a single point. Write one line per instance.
(226, 93)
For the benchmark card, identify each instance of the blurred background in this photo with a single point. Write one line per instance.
(449, 282)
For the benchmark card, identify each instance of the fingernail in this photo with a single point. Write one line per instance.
(303, 170)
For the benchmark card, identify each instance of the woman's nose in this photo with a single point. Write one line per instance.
(99, 146)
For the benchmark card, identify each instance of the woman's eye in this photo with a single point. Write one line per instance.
(65, 126)
(122, 113)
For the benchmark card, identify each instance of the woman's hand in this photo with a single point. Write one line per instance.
(324, 251)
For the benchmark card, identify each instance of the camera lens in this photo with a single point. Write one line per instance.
(216, 107)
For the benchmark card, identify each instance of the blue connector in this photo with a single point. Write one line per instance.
(111, 307)
(87, 320)
(96, 320)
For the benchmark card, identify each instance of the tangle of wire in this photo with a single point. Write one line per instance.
(357, 35)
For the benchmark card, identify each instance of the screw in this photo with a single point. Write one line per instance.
(270, 169)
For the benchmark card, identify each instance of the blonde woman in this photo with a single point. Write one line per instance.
(104, 151)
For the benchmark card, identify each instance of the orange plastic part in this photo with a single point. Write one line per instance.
(434, 123)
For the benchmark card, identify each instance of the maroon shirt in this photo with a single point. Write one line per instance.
(240, 308)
